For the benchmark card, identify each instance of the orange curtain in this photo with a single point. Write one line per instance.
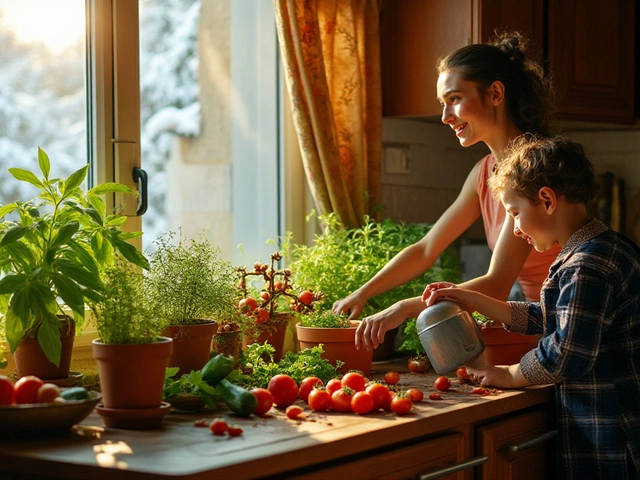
(331, 55)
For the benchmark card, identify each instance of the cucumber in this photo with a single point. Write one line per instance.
(216, 369)
(239, 400)
(75, 393)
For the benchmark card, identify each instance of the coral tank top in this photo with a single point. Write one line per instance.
(536, 267)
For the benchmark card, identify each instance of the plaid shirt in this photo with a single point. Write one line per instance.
(589, 316)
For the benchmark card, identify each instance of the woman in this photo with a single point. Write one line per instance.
(489, 93)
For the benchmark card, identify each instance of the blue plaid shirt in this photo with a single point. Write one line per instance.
(589, 316)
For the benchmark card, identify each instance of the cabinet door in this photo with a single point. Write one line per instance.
(591, 55)
(524, 16)
(519, 447)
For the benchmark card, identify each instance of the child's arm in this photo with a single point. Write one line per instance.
(503, 376)
(471, 301)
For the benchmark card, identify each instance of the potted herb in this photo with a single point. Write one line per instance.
(335, 333)
(500, 346)
(130, 351)
(191, 288)
(55, 250)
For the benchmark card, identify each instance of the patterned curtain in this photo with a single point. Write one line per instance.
(331, 55)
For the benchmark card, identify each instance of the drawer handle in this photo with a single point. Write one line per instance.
(532, 442)
(456, 467)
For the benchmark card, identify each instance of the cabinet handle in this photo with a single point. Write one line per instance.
(533, 441)
(456, 467)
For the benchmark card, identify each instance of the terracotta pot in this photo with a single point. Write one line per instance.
(132, 375)
(227, 344)
(31, 360)
(273, 334)
(504, 348)
(338, 344)
(191, 345)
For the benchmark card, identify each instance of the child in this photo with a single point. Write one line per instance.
(588, 314)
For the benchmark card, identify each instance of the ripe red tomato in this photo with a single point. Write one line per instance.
(294, 411)
(218, 426)
(278, 286)
(355, 381)
(262, 315)
(380, 394)
(265, 295)
(435, 396)
(7, 392)
(265, 401)
(47, 393)
(306, 385)
(333, 385)
(27, 389)
(415, 394)
(319, 400)
(341, 400)
(391, 378)
(306, 297)
(362, 403)
(442, 383)
(462, 374)
(234, 430)
(401, 404)
(248, 304)
(418, 364)
(284, 390)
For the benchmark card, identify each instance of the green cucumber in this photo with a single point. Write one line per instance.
(75, 393)
(216, 369)
(239, 400)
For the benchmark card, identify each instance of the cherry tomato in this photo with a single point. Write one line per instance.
(47, 393)
(284, 390)
(306, 297)
(218, 426)
(380, 394)
(202, 423)
(27, 389)
(462, 374)
(294, 411)
(391, 378)
(319, 400)
(262, 315)
(265, 401)
(333, 385)
(248, 304)
(480, 391)
(354, 381)
(278, 286)
(415, 394)
(341, 400)
(418, 364)
(442, 383)
(306, 385)
(234, 430)
(7, 392)
(265, 295)
(435, 396)
(401, 404)
(362, 403)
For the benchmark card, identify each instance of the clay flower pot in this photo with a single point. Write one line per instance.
(505, 348)
(338, 344)
(191, 345)
(273, 331)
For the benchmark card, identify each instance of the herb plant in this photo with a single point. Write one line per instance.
(188, 384)
(325, 319)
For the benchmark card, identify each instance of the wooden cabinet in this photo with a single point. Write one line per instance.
(589, 50)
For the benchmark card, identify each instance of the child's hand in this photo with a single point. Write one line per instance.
(491, 376)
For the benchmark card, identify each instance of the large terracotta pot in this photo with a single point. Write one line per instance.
(273, 334)
(132, 375)
(338, 344)
(505, 348)
(191, 345)
(31, 360)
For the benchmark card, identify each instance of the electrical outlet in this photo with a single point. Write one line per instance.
(396, 160)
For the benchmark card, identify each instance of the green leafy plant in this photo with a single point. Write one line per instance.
(121, 314)
(188, 384)
(62, 239)
(189, 282)
(325, 319)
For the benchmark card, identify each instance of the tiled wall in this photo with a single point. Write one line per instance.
(438, 166)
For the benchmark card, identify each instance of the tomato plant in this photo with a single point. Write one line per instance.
(333, 385)
(354, 381)
(362, 403)
(391, 378)
(218, 426)
(265, 401)
(306, 385)
(442, 383)
(435, 396)
(380, 395)
(306, 297)
(284, 390)
(462, 374)
(341, 400)
(234, 430)
(262, 315)
(248, 304)
(319, 400)
(26, 389)
(294, 411)
(401, 404)
(47, 393)
(7, 392)
(418, 364)
(415, 394)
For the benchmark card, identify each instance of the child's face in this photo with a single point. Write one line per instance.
(531, 222)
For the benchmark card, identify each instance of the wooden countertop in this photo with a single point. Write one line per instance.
(268, 446)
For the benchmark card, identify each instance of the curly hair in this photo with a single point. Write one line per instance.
(532, 162)
(529, 94)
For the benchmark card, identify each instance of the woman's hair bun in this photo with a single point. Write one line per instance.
(513, 45)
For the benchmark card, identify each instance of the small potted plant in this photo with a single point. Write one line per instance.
(51, 257)
(500, 346)
(192, 289)
(130, 351)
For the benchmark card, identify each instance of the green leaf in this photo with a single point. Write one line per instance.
(14, 329)
(130, 252)
(26, 176)
(95, 215)
(111, 187)
(97, 203)
(14, 234)
(43, 161)
(7, 209)
(75, 179)
(65, 233)
(116, 220)
(70, 292)
(83, 276)
(49, 338)
(102, 249)
(84, 257)
(21, 255)
(11, 283)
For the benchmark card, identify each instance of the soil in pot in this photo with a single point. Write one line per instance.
(31, 360)
(505, 348)
(191, 345)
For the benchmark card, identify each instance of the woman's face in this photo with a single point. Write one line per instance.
(463, 109)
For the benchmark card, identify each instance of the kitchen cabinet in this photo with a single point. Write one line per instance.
(588, 49)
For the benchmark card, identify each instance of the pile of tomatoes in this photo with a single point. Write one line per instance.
(28, 389)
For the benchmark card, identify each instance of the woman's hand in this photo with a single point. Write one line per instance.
(351, 305)
(370, 333)
(467, 299)
(432, 287)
